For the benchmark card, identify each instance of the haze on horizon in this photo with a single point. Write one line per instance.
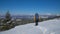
(30, 7)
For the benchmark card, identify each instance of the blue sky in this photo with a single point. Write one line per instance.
(27, 7)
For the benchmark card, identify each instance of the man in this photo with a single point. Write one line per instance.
(36, 19)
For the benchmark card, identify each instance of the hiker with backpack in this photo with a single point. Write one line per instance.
(36, 19)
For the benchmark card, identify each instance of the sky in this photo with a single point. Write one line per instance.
(29, 7)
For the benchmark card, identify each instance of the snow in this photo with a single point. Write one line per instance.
(45, 27)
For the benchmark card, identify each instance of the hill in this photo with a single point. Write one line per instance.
(45, 27)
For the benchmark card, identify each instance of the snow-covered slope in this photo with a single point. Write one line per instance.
(46, 27)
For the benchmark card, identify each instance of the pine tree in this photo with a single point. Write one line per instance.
(8, 16)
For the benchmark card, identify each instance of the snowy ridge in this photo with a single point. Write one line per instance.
(46, 27)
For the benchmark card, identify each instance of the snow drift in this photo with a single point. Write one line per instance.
(46, 27)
